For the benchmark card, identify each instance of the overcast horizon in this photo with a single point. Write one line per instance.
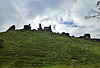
(63, 15)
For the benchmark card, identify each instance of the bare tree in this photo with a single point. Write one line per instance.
(94, 13)
(75, 0)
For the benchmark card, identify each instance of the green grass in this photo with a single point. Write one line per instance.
(40, 49)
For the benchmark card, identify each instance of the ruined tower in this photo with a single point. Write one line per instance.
(40, 28)
(87, 36)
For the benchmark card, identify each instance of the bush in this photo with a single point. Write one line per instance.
(0, 45)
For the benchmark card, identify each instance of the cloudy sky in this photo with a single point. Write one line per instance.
(64, 15)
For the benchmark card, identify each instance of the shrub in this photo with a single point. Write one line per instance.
(0, 45)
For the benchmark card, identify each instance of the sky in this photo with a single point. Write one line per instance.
(63, 15)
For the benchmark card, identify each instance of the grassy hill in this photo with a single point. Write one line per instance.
(40, 49)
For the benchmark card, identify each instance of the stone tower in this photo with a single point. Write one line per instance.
(87, 36)
(40, 28)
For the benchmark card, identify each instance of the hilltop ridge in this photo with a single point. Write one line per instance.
(42, 49)
(86, 36)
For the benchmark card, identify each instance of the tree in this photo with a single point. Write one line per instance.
(75, 0)
(94, 13)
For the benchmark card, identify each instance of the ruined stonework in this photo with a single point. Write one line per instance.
(11, 28)
(81, 37)
(40, 28)
(27, 27)
(87, 37)
(48, 29)
(95, 40)
(73, 36)
(67, 34)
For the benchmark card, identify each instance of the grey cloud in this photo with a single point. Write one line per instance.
(8, 15)
(20, 12)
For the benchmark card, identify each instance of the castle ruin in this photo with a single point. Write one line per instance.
(48, 29)
(87, 36)
(40, 28)
(67, 34)
(11, 28)
(27, 27)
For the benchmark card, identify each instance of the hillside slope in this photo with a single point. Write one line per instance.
(40, 49)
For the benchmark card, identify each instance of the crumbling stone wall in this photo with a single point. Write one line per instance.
(67, 34)
(48, 29)
(27, 27)
(11, 28)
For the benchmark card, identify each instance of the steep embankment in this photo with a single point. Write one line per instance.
(30, 49)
